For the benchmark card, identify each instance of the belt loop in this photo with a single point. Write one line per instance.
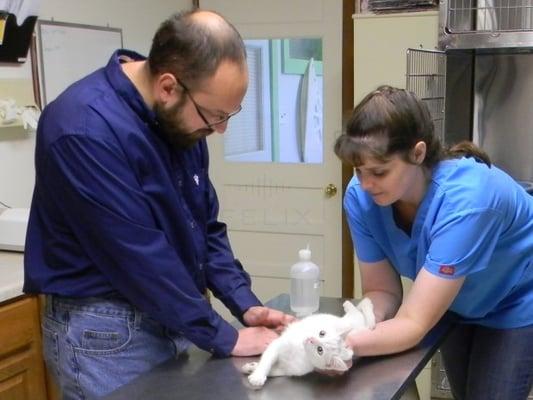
(137, 319)
(49, 304)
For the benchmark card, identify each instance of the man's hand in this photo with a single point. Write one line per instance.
(264, 316)
(253, 341)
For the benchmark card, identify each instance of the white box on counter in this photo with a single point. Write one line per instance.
(13, 224)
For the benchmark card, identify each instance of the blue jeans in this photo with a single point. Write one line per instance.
(489, 364)
(94, 345)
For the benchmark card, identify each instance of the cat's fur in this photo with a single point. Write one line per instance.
(314, 342)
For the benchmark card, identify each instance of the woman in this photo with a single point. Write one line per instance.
(456, 225)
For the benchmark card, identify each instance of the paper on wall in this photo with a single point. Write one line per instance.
(21, 9)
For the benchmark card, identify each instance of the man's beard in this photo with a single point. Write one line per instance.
(172, 127)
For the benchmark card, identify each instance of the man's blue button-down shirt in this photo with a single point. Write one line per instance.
(117, 211)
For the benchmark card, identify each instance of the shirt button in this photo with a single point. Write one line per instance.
(201, 266)
(193, 225)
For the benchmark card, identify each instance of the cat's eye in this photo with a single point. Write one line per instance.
(322, 334)
(319, 350)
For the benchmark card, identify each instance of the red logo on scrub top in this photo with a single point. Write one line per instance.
(447, 269)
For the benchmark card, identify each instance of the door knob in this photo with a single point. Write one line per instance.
(331, 190)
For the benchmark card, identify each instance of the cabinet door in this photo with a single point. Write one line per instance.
(21, 363)
(381, 43)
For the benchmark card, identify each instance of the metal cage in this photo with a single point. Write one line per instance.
(486, 24)
(465, 16)
(426, 73)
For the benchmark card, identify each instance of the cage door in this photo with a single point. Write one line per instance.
(426, 77)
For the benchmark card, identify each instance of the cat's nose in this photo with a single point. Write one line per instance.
(311, 340)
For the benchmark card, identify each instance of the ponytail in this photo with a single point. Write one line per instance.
(467, 149)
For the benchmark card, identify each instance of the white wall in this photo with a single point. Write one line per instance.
(138, 19)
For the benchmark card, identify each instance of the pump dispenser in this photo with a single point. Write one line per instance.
(305, 285)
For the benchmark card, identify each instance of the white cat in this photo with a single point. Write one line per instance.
(314, 342)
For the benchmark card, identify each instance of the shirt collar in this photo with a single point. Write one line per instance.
(124, 87)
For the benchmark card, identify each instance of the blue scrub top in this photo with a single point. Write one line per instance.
(473, 221)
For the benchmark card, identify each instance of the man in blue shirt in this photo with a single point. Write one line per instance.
(123, 234)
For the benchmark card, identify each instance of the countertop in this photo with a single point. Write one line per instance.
(11, 275)
(196, 375)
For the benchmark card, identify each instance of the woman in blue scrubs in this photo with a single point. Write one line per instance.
(459, 227)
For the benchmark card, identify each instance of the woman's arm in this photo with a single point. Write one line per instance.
(428, 300)
(381, 283)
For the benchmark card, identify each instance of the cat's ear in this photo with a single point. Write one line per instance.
(337, 364)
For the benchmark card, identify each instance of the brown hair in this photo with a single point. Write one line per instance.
(467, 149)
(192, 48)
(390, 121)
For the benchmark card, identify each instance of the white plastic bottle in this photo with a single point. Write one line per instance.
(305, 285)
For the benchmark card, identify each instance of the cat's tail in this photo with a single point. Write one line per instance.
(367, 309)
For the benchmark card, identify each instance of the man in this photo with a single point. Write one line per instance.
(123, 234)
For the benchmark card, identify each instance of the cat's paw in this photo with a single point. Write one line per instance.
(367, 308)
(257, 380)
(348, 306)
(250, 367)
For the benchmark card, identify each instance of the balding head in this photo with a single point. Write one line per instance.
(211, 20)
(193, 44)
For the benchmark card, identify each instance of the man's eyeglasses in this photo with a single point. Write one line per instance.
(219, 120)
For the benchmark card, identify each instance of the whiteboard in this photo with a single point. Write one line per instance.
(69, 52)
